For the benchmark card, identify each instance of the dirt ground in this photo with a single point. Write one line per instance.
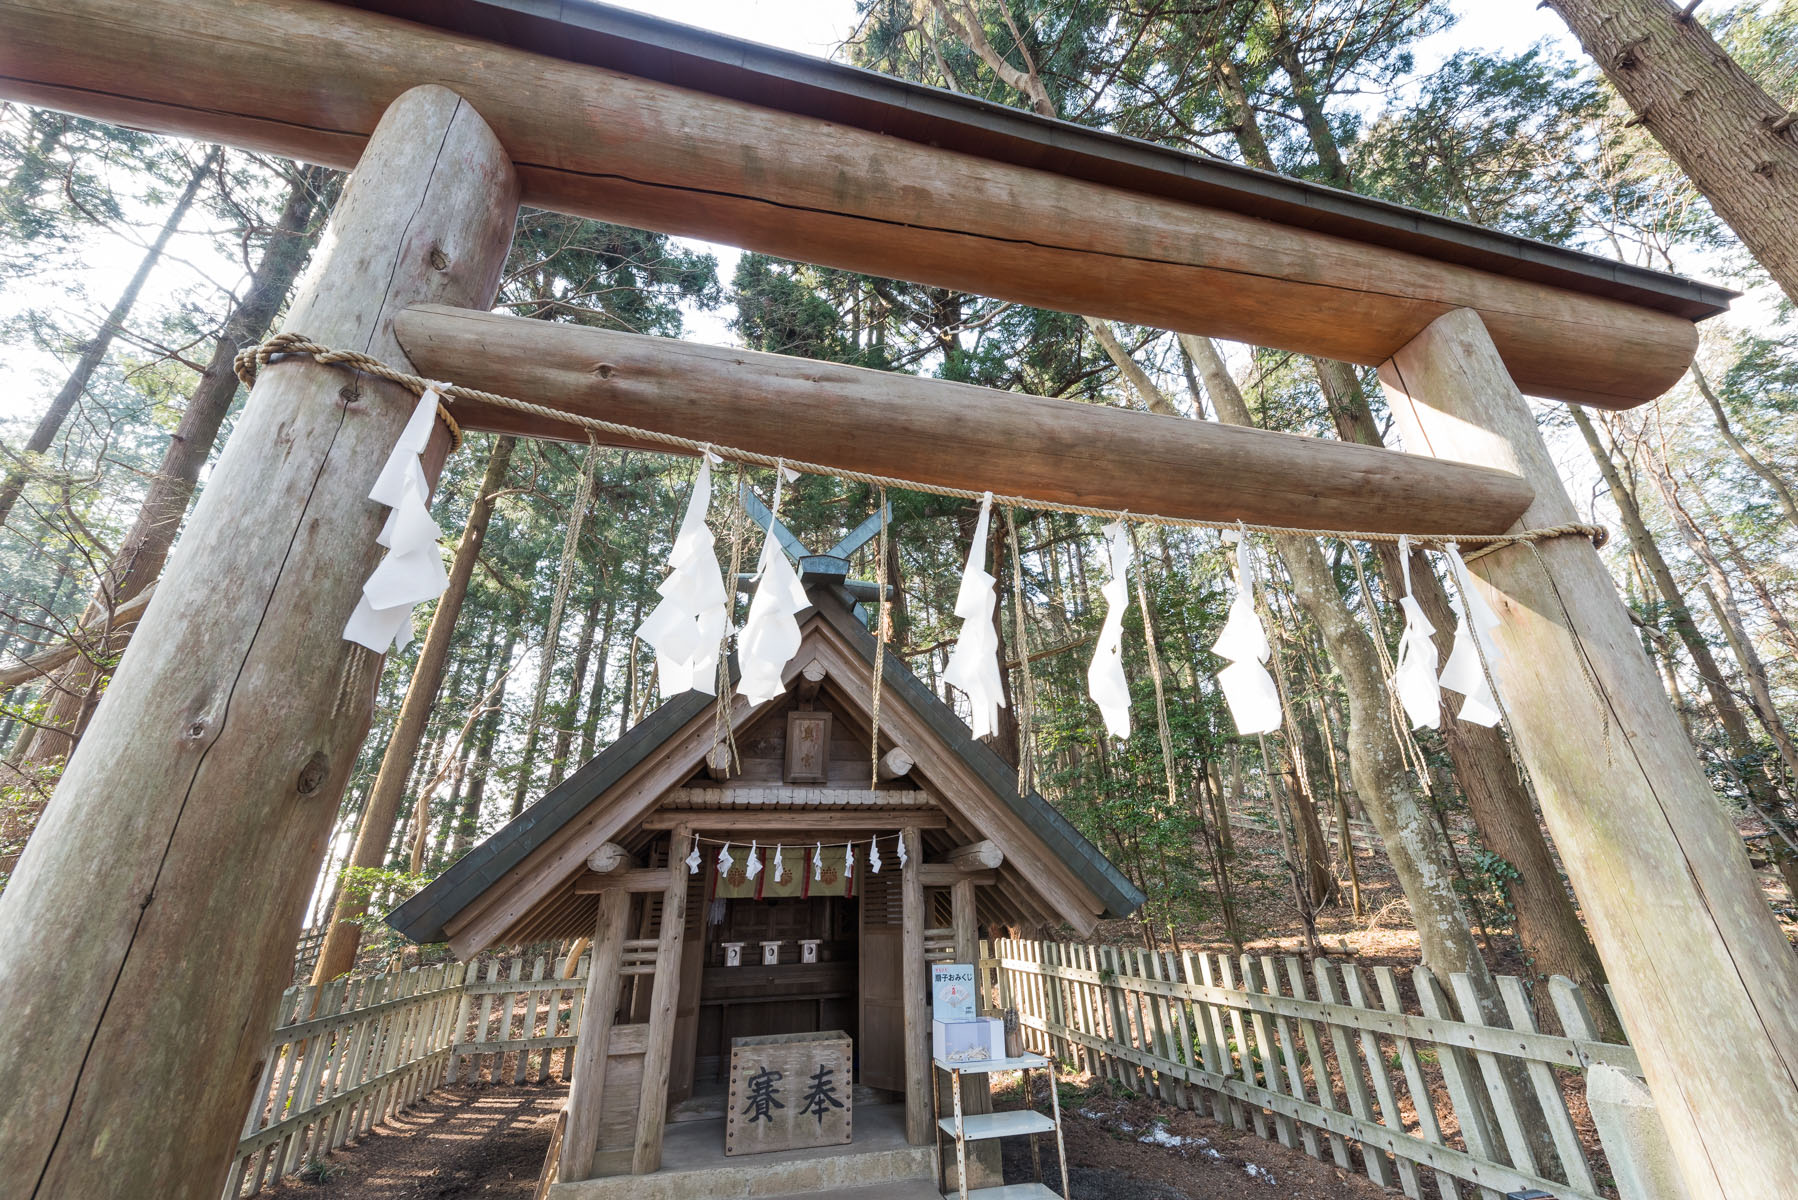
(1133, 1148)
(463, 1140)
(489, 1142)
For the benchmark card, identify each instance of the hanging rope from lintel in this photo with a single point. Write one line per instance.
(882, 616)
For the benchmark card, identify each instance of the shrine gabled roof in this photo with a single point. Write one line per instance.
(494, 861)
(684, 56)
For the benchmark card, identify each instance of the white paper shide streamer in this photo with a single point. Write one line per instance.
(1463, 672)
(770, 636)
(687, 627)
(412, 571)
(1249, 690)
(1414, 677)
(974, 664)
(1105, 678)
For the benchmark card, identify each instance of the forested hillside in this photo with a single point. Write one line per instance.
(134, 269)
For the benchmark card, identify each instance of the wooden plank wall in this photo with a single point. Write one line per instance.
(375, 1045)
(1321, 1057)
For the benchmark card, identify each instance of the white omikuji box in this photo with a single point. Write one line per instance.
(978, 1040)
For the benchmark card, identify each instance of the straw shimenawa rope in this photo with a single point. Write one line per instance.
(252, 359)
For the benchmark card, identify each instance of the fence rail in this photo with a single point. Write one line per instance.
(1316, 1058)
(356, 1052)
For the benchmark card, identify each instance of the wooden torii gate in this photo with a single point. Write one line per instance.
(148, 928)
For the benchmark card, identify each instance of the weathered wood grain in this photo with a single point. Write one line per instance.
(1678, 919)
(581, 1137)
(919, 1128)
(652, 1109)
(309, 79)
(899, 425)
(196, 809)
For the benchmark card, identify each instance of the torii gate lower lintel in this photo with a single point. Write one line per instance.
(195, 811)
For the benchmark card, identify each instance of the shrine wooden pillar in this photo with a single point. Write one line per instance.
(914, 982)
(652, 1106)
(150, 926)
(580, 1137)
(1703, 980)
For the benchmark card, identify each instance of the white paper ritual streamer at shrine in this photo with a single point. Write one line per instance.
(1414, 678)
(1464, 672)
(974, 663)
(686, 629)
(770, 636)
(1105, 677)
(412, 571)
(1249, 690)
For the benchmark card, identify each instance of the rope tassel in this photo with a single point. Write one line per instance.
(974, 663)
(687, 627)
(412, 571)
(1474, 650)
(1105, 678)
(1249, 690)
(770, 636)
(1414, 679)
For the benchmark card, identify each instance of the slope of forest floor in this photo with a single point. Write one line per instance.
(1384, 935)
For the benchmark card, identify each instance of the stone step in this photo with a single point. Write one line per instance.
(878, 1165)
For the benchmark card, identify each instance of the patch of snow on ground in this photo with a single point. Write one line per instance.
(1261, 1173)
(1159, 1136)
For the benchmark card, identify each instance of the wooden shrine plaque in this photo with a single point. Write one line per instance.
(789, 1091)
(808, 747)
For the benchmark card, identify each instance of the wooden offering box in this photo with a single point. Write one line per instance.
(789, 1091)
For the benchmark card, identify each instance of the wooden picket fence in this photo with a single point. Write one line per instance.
(1318, 1059)
(371, 1047)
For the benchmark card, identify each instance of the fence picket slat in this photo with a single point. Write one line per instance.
(1320, 1068)
(1503, 1108)
(1204, 1017)
(1470, 1111)
(1218, 1038)
(1354, 1084)
(1466, 1089)
(1574, 1167)
(1268, 1051)
(1244, 1053)
(1180, 1038)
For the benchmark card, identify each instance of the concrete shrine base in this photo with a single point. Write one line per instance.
(694, 1167)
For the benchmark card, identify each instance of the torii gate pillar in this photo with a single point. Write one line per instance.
(149, 928)
(1703, 979)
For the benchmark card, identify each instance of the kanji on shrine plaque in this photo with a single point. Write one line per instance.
(789, 1091)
